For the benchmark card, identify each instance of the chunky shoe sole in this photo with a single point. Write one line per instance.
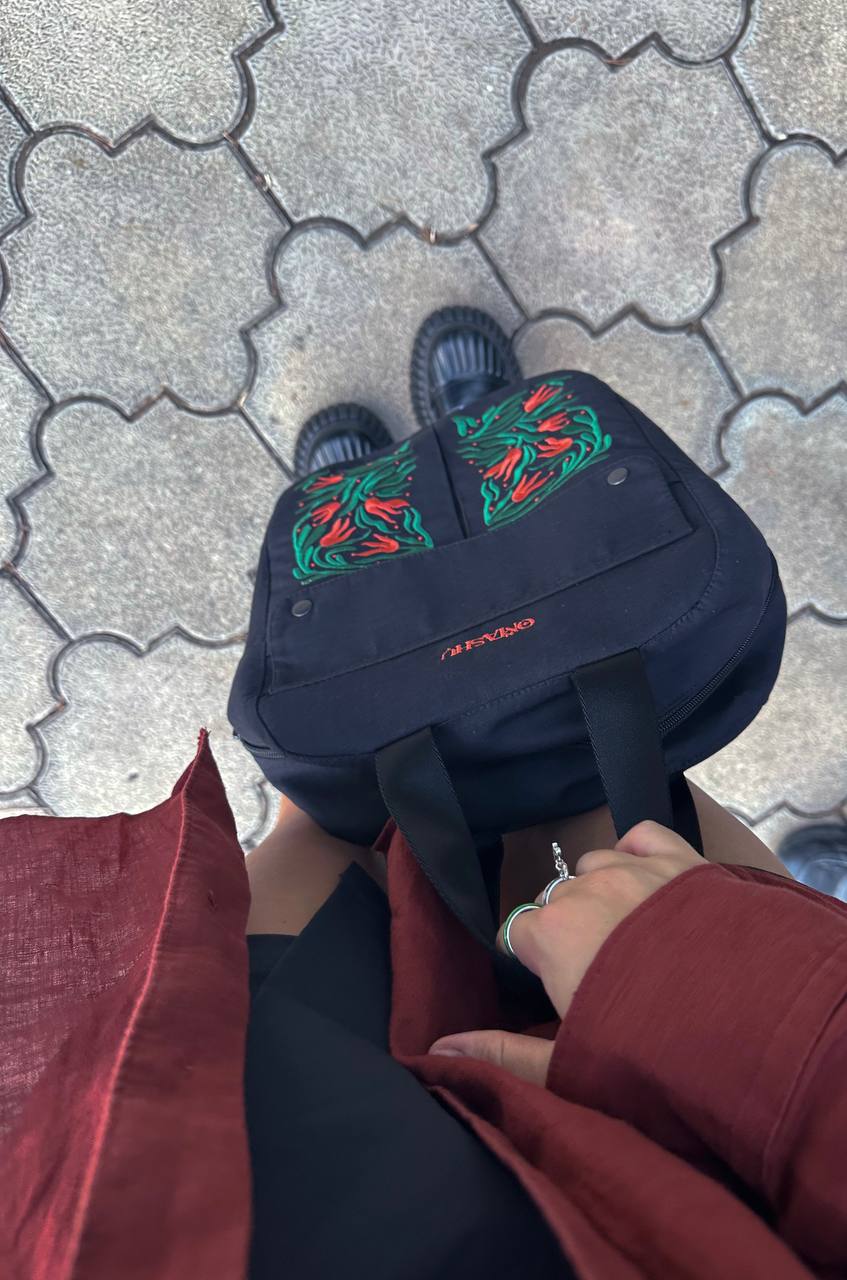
(341, 433)
(459, 347)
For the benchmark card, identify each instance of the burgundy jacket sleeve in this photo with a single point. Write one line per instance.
(714, 1020)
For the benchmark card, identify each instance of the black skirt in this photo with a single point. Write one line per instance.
(357, 1169)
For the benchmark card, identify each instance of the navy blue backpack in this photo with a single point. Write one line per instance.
(539, 604)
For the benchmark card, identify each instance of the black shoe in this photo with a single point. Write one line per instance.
(460, 354)
(817, 856)
(342, 433)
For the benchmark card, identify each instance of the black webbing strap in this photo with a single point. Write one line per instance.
(685, 820)
(620, 716)
(419, 796)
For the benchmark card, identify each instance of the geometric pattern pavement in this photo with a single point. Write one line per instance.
(216, 219)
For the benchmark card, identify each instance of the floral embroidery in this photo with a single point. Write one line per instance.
(526, 447)
(353, 518)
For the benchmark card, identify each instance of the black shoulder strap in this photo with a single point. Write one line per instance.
(685, 820)
(620, 716)
(419, 795)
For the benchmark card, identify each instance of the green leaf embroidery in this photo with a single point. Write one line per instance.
(357, 517)
(555, 439)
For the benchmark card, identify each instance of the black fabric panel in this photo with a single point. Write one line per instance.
(357, 1169)
(264, 950)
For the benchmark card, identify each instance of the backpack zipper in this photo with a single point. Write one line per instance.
(265, 752)
(676, 717)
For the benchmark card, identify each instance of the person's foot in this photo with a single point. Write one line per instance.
(341, 433)
(817, 856)
(460, 354)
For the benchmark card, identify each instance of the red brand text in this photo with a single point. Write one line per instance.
(488, 637)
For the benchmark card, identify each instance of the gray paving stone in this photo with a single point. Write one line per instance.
(349, 322)
(792, 60)
(27, 646)
(137, 270)
(21, 810)
(625, 180)
(109, 66)
(176, 506)
(671, 376)
(20, 404)
(789, 473)
(779, 824)
(795, 751)
(695, 32)
(384, 108)
(11, 135)
(258, 834)
(782, 314)
(131, 728)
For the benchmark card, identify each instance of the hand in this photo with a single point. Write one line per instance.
(559, 942)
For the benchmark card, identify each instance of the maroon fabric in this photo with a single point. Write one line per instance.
(709, 1035)
(124, 1009)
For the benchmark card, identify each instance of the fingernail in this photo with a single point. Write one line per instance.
(448, 1053)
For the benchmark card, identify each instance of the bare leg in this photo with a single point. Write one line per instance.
(295, 869)
(528, 864)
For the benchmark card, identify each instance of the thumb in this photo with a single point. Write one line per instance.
(525, 1056)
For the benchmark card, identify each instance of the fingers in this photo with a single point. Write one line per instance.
(646, 839)
(523, 936)
(599, 860)
(525, 1056)
(650, 838)
(595, 860)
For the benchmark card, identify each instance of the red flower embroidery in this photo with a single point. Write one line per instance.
(322, 515)
(539, 396)
(339, 531)
(502, 470)
(551, 446)
(323, 482)
(555, 423)
(379, 544)
(385, 508)
(528, 485)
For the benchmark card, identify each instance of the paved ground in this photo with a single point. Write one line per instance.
(216, 218)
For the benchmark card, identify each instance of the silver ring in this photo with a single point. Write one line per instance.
(526, 906)
(545, 897)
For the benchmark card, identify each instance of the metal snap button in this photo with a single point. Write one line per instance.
(301, 607)
(617, 476)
